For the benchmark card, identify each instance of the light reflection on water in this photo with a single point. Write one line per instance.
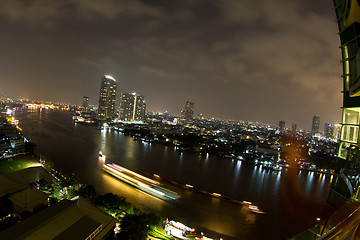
(277, 181)
(309, 183)
(141, 199)
(180, 161)
(237, 174)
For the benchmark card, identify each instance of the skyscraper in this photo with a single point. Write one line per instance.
(294, 128)
(85, 103)
(337, 131)
(315, 124)
(132, 107)
(187, 114)
(328, 130)
(282, 126)
(107, 98)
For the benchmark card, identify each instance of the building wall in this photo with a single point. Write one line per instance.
(188, 112)
(107, 97)
(132, 107)
(348, 18)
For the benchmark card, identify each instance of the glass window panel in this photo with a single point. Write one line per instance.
(350, 133)
(343, 149)
(351, 117)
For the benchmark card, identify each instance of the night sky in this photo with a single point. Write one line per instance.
(262, 60)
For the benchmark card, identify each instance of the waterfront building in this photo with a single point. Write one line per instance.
(85, 103)
(187, 114)
(11, 140)
(132, 107)
(282, 126)
(328, 130)
(315, 124)
(107, 97)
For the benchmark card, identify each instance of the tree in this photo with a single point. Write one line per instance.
(137, 226)
(67, 188)
(133, 227)
(87, 191)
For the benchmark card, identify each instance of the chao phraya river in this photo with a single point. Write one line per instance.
(291, 199)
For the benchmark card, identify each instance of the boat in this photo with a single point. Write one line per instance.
(140, 182)
(255, 209)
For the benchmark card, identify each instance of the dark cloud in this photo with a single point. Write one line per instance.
(36, 11)
(252, 60)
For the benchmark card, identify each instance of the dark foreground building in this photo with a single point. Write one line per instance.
(344, 223)
(348, 17)
(67, 219)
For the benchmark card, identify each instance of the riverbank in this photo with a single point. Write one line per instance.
(18, 162)
(187, 143)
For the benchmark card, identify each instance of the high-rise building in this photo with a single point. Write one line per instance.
(187, 114)
(328, 130)
(337, 131)
(315, 124)
(282, 126)
(348, 17)
(132, 107)
(85, 103)
(294, 128)
(107, 98)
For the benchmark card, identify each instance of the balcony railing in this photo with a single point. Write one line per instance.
(347, 229)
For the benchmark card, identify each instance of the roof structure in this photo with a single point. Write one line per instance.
(65, 220)
(109, 77)
(29, 198)
(8, 186)
(29, 176)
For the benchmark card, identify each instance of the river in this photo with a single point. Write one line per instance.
(291, 199)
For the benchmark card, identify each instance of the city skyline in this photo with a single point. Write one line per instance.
(266, 63)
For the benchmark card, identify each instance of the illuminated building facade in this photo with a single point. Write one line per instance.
(107, 98)
(315, 124)
(294, 128)
(328, 130)
(337, 132)
(348, 18)
(132, 107)
(85, 103)
(187, 114)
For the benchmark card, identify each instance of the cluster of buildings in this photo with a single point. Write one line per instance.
(255, 142)
(331, 131)
(26, 213)
(11, 139)
(132, 106)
